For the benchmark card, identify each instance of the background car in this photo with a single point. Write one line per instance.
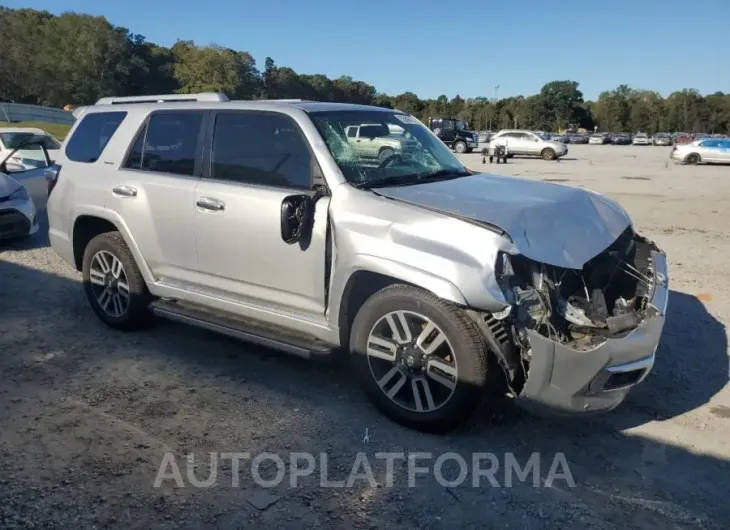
(30, 156)
(662, 139)
(598, 139)
(563, 139)
(23, 191)
(527, 143)
(683, 139)
(578, 138)
(621, 139)
(707, 150)
(641, 139)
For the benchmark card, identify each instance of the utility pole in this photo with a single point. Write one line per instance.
(494, 106)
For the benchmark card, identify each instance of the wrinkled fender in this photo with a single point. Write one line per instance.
(115, 219)
(439, 286)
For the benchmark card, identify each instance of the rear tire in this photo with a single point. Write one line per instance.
(414, 383)
(692, 159)
(548, 154)
(114, 284)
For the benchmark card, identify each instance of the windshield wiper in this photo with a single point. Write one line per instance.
(413, 178)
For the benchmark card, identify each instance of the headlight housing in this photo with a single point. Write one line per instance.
(21, 194)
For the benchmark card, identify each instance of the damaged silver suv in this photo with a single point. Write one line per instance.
(263, 220)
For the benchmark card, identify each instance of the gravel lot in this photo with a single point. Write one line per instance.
(87, 414)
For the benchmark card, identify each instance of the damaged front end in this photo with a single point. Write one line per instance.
(576, 340)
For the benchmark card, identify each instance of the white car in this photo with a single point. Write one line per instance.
(598, 139)
(706, 150)
(527, 143)
(23, 191)
(641, 139)
(32, 156)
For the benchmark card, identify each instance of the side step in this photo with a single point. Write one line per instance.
(252, 331)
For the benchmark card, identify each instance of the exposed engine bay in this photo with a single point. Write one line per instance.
(607, 298)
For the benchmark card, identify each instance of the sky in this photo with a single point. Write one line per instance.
(432, 47)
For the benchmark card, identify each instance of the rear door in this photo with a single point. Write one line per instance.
(154, 192)
(253, 161)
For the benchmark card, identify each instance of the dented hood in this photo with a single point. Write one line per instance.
(553, 224)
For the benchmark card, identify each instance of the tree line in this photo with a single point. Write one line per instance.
(75, 59)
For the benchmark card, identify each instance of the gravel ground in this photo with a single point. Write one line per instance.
(87, 414)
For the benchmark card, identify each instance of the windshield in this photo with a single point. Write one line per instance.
(368, 153)
(15, 139)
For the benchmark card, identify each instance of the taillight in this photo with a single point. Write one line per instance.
(52, 174)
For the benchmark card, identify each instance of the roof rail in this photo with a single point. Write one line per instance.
(283, 100)
(203, 96)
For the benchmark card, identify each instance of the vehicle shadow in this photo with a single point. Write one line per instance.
(198, 391)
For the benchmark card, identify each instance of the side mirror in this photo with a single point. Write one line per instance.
(296, 214)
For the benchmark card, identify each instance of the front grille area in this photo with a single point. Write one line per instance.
(13, 224)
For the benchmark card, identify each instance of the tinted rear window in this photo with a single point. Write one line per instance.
(92, 135)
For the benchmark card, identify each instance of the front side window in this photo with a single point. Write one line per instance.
(92, 135)
(265, 149)
(382, 157)
(167, 144)
(462, 125)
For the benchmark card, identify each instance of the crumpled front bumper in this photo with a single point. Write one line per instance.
(565, 381)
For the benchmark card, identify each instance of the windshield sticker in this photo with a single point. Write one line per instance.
(406, 118)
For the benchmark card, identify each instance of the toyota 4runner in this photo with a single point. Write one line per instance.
(264, 220)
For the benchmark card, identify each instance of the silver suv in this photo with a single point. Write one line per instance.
(527, 143)
(261, 220)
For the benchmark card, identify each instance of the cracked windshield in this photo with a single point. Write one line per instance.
(375, 148)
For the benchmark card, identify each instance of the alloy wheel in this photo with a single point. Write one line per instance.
(109, 283)
(412, 361)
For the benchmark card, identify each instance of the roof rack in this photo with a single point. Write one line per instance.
(203, 96)
(283, 100)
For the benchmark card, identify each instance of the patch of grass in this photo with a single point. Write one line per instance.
(57, 130)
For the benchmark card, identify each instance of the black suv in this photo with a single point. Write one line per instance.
(455, 133)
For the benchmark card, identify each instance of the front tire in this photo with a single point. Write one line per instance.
(422, 361)
(548, 154)
(114, 284)
(460, 147)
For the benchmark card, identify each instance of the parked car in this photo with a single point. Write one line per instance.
(527, 143)
(31, 156)
(641, 139)
(22, 190)
(683, 139)
(455, 133)
(563, 139)
(485, 136)
(706, 150)
(260, 220)
(661, 139)
(378, 141)
(621, 139)
(598, 139)
(578, 138)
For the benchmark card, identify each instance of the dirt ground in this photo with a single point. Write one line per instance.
(87, 414)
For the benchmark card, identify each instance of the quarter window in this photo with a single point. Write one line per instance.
(168, 143)
(260, 148)
(92, 135)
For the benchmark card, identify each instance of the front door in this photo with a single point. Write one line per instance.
(253, 161)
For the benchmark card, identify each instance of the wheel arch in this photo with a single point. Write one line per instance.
(89, 224)
(361, 282)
